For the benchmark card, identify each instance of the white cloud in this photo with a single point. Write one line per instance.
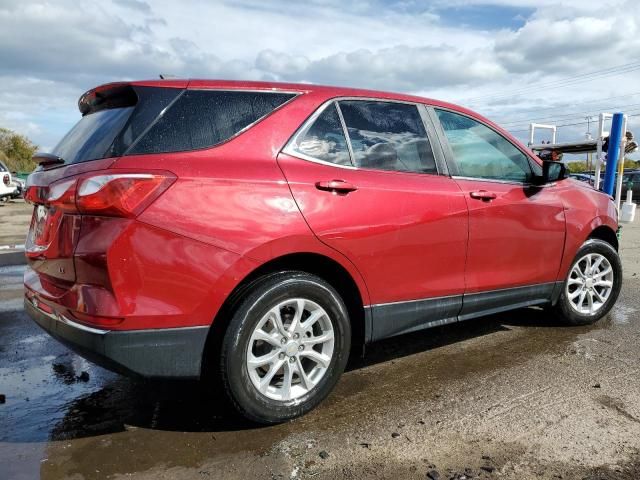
(51, 53)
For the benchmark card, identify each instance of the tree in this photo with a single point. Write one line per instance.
(577, 167)
(18, 151)
(580, 167)
(628, 163)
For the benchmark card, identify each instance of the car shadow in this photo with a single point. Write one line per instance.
(188, 406)
(183, 406)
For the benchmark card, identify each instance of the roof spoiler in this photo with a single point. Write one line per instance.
(111, 95)
(44, 159)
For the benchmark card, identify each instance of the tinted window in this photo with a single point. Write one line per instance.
(92, 136)
(324, 139)
(203, 118)
(151, 102)
(388, 136)
(113, 122)
(480, 152)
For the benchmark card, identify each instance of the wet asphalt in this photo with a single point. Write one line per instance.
(509, 396)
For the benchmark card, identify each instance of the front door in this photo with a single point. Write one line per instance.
(516, 230)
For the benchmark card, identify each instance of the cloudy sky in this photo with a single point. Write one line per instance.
(512, 60)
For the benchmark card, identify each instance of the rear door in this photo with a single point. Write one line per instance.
(516, 229)
(371, 183)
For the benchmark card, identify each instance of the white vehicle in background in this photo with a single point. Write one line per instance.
(20, 186)
(7, 187)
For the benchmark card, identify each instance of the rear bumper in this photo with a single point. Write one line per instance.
(162, 353)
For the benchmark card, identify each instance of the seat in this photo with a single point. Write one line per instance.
(381, 156)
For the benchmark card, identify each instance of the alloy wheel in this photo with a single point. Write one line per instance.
(290, 349)
(590, 284)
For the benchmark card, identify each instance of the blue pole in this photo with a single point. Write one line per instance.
(615, 137)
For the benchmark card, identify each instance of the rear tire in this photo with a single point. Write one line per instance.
(285, 347)
(592, 285)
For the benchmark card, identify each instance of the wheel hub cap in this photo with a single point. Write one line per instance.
(290, 349)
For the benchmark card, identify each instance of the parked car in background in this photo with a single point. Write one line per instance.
(19, 185)
(583, 177)
(253, 235)
(7, 187)
(631, 181)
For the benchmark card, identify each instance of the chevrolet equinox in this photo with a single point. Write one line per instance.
(254, 234)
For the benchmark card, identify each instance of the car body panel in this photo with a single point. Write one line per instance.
(585, 210)
(514, 240)
(405, 232)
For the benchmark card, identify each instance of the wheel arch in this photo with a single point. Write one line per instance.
(324, 267)
(606, 234)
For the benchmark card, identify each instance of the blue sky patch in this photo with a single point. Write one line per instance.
(485, 17)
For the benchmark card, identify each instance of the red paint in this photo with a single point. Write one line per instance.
(231, 208)
(406, 233)
(516, 238)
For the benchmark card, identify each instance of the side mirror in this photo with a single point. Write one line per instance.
(552, 171)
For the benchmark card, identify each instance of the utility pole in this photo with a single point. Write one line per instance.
(588, 137)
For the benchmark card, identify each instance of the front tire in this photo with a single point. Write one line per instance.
(285, 347)
(592, 285)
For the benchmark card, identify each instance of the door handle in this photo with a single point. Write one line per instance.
(483, 195)
(336, 186)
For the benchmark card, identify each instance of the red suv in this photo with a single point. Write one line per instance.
(257, 233)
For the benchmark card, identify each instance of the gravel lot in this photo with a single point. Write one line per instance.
(509, 396)
(15, 217)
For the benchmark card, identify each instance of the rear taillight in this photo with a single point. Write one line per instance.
(120, 195)
(62, 195)
(5, 179)
(106, 194)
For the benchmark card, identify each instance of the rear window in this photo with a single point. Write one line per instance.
(156, 120)
(92, 137)
(204, 118)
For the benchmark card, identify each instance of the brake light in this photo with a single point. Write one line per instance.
(5, 179)
(120, 195)
(108, 194)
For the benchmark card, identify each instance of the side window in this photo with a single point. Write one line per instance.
(204, 118)
(480, 152)
(324, 139)
(388, 136)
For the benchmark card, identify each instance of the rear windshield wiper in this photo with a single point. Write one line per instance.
(44, 159)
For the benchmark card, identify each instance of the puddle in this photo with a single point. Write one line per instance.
(125, 425)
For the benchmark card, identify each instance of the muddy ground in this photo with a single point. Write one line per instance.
(510, 396)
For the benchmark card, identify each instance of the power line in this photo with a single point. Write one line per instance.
(567, 81)
(557, 108)
(569, 124)
(568, 116)
(563, 82)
